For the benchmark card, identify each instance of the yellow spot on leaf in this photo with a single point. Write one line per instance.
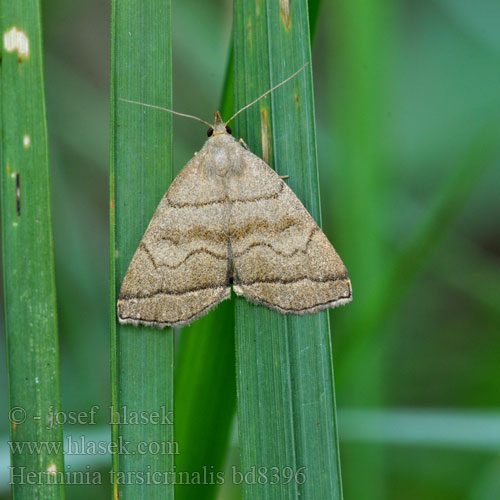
(285, 13)
(250, 35)
(52, 468)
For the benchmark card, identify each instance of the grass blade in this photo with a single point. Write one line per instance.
(286, 403)
(205, 399)
(28, 255)
(467, 429)
(363, 36)
(314, 8)
(141, 169)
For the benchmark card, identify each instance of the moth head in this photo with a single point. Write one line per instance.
(219, 127)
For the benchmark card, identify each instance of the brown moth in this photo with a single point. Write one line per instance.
(227, 220)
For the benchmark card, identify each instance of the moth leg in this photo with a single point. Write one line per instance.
(244, 144)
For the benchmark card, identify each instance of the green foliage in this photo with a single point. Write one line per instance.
(28, 258)
(407, 103)
(141, 169)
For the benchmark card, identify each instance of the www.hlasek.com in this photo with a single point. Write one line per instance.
(254, 475)
(82, 446)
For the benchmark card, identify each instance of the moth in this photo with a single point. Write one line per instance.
(229, 220)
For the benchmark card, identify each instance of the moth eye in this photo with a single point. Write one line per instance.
(210, 131)
(228, 130)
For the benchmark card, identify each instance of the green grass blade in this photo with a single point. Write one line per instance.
(28, 255)
(205, 399)
(286, 403)
(363, 36)
(314, 9)
(474, 430)
(141, 169)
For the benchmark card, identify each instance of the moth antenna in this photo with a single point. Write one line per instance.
(165, 109)
(266, 93)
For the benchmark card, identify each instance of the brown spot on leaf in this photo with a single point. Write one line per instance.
(250, 35)
(265, 134)
(112, 197)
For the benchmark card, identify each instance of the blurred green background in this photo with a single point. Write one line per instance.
(408, 110)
